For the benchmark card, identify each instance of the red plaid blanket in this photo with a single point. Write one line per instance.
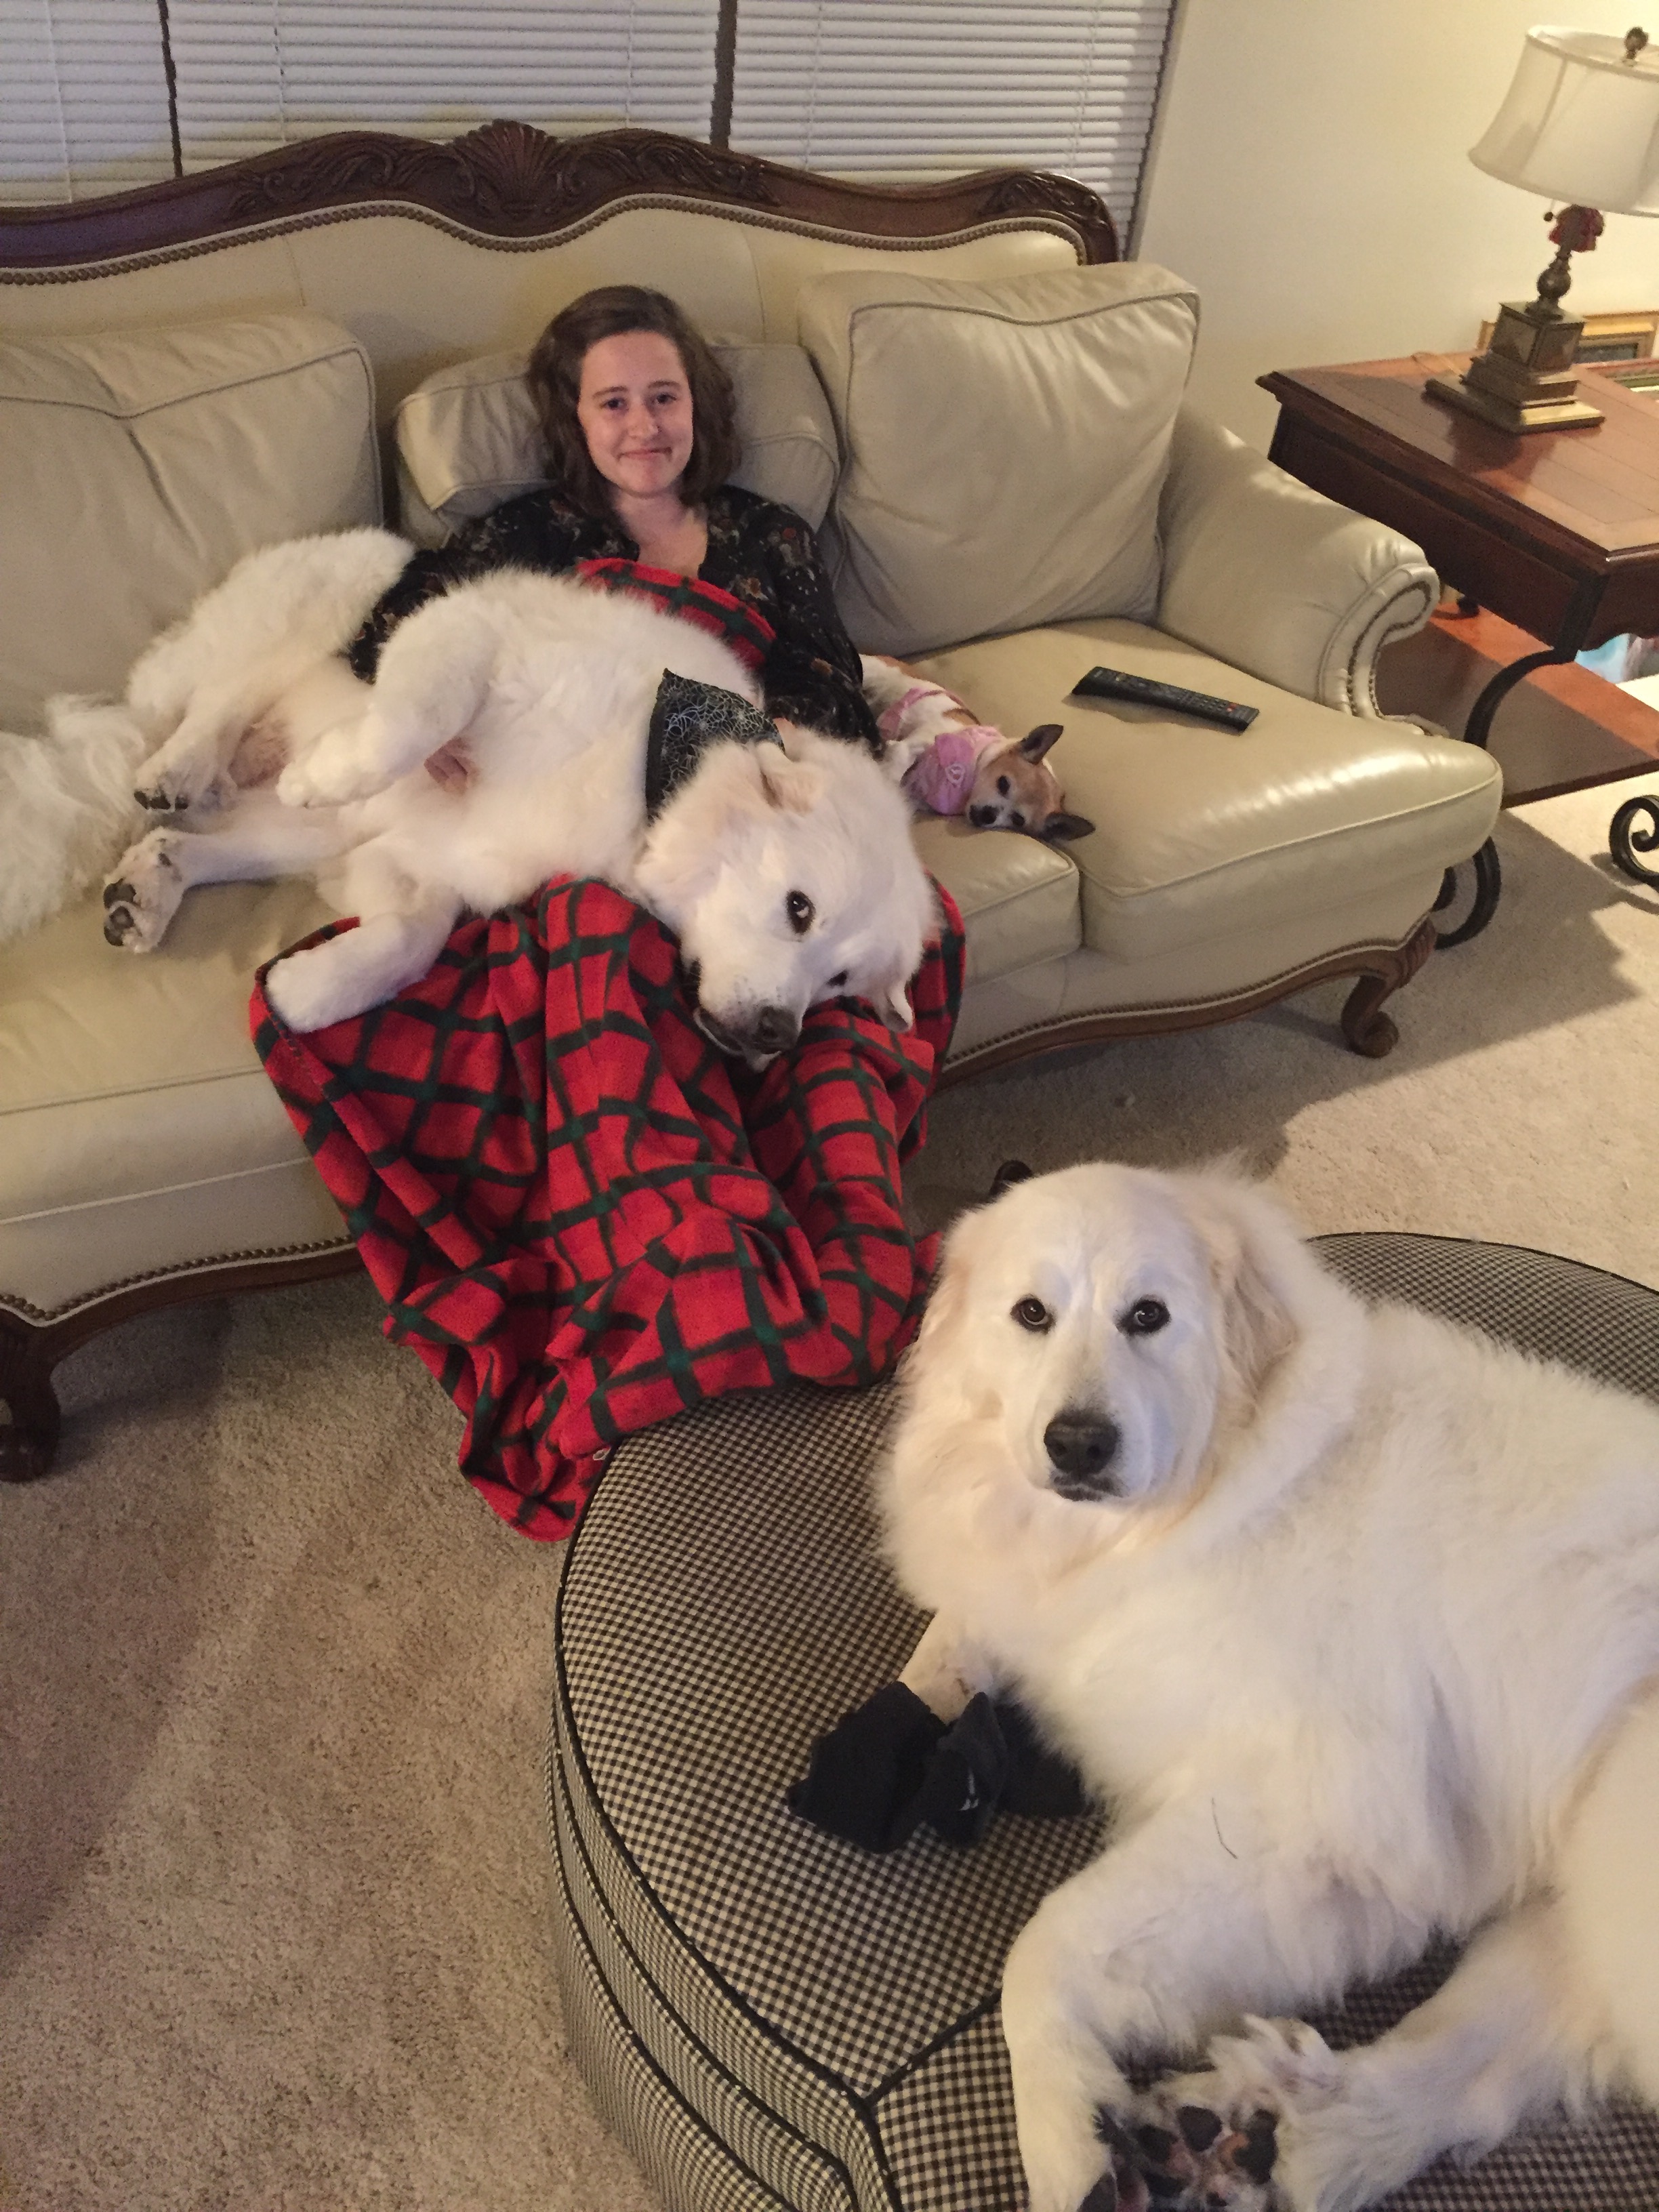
(583, 1217)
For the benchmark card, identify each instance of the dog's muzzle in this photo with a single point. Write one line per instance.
(1081, 1448)
(768, 1031)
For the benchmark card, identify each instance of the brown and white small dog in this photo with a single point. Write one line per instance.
(947, 762)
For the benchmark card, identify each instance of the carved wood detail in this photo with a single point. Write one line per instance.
(505, 178)
(29, 1350)
(512, 182)
(28, 1443)
(1382, 970)
(1366, 1028)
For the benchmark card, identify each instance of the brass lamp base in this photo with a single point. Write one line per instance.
(1525, 379)
(1506, 415)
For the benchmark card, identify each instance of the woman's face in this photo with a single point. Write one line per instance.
(636, 411)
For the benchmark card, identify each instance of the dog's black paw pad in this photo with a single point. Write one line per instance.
(1010, 1173)
(1103, 2198)
(119, 926)
(1203, 2162)
(1260, 2148)
(1199, 2126)
(122, 891)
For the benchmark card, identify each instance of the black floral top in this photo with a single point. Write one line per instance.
(763, 554)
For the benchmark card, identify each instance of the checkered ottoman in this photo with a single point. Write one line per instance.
(768, 2017)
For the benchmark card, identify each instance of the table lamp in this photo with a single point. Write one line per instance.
(1580, 126)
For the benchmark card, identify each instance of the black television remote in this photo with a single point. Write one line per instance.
(1145, 691)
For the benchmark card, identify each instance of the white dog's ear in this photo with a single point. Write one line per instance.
(1256, 1258)
(794, 786)
(946, 1307)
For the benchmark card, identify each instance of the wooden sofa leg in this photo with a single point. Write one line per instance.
(1366, 1027)
(28, 1443)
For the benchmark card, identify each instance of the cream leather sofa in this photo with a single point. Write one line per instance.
(982, 410)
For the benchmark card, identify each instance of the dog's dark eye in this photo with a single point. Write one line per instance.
(800, 910)
(838, 982)
(1032, 1314)
(1144, 1318)
(1002, 787)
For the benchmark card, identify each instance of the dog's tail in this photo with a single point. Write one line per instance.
(66, 800)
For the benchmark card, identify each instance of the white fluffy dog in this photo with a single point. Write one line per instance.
(787, 870)
(1350, 1614)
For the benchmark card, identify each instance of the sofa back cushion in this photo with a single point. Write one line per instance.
(1003, 445)
(468, 438)
(136, 468)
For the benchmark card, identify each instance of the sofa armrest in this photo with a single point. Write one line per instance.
(1278, 579)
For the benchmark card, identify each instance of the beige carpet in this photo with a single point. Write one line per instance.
(272, 1875)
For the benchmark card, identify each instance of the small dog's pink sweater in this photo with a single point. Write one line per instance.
(941, 779)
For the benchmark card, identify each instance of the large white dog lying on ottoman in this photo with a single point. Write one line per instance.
(1350, 1615)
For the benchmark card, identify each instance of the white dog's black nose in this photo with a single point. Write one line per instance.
(1081, 1447)
(774, 1029)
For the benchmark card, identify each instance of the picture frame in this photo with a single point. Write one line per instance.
(1630, 336)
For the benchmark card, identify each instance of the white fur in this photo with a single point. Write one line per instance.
(67, 804)
(1354, 1635)
(550, 685)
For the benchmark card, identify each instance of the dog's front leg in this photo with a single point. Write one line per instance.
(256, 840)
(191, 769)
(1148, 1949)
(432, 681)
(402, 930)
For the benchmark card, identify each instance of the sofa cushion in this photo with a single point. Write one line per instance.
(138, 1132)
(136, 468)
(468, 438)
(1203, 833)
(1017, 897)
(1004, 443)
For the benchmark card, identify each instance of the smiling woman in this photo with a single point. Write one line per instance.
(640, 423)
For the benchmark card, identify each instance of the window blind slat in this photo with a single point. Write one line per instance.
(83, 99)
(250, 78)
(934, 87)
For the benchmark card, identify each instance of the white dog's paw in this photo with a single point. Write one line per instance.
(142, 892)
(1230, 2137)
(184, 779)
(342, 765)
(310, 989)
(1190, 2151)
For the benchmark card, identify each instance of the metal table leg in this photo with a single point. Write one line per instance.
(1625, 840)
(1488, 876)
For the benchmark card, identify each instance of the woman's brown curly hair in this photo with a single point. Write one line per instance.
(554, 378)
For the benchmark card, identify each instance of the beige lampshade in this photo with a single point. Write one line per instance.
(1580, 124)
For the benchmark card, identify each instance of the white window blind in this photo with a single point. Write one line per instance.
(254, 74)
(83, 98)
(926, 88)
(937, 86)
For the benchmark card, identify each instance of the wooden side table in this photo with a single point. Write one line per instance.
(1557, 531)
